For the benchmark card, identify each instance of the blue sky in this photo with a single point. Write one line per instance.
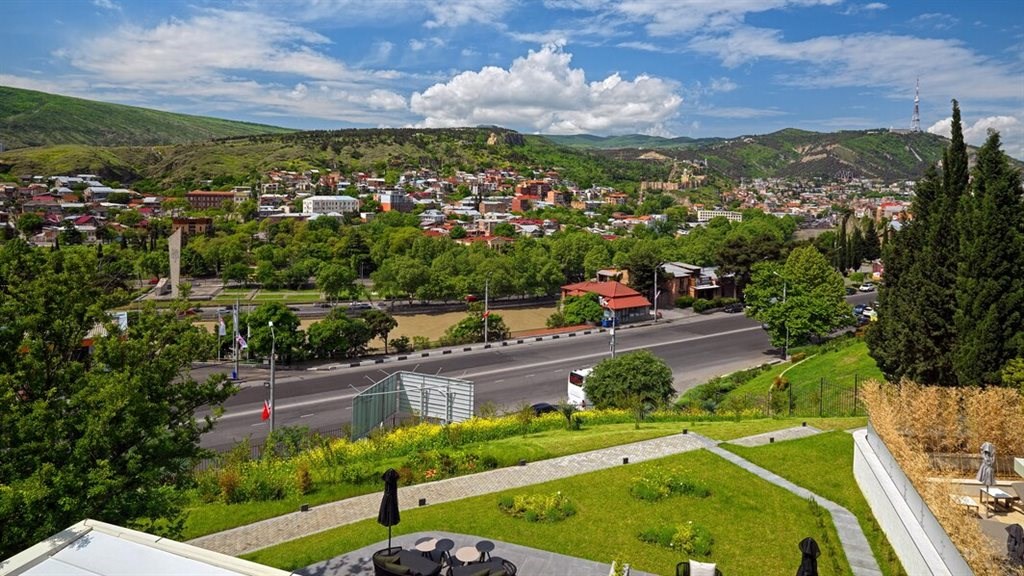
(664, 67)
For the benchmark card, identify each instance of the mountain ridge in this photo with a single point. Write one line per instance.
(29, 118)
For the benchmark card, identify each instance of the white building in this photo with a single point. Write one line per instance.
(708, 215)
(326, 204)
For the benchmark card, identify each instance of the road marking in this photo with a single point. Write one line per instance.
(596, 355)
(280, 407)
(497, 381)
(308, 415)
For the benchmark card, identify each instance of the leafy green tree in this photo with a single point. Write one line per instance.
(338, 335)
(582, 309)
(110, 435)
(286, 337)
(471, 329)
(505, 229)
(746, 245)
(618, 382)
(380, 324)
(30, 223)
(989, 317)
(803, 299)
(457, 233)
(333, 278)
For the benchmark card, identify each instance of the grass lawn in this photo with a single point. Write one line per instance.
(840, 366)
(733, 430)
(756, 526)
(203, 518)
(824, 465)
(287, 296)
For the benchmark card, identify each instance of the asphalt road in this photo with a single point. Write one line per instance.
(696, 349)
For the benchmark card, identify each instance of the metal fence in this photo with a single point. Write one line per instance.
(827, 398)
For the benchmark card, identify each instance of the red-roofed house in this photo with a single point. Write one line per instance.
(624, 303)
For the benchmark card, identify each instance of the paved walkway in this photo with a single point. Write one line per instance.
(528, 561)
(272, 531)
(776, 436)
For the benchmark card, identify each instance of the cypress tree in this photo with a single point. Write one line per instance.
(990, 281)
(856, 252)
(898, 341)
(872, 246)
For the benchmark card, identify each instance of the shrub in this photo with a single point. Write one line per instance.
(702, 305)
(488, 462)
(797, 357)
(421, 343)
(684, 301)
(691, 539)
(657, 483)
(537, 508)
(303, 479)
(229, 481)
(556, 320)
(402, 345)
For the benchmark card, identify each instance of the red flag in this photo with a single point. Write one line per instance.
(486, 314)
(266, 410)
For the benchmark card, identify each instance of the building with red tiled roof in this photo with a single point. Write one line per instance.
(622, 302)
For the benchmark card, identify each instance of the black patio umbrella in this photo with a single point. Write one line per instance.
(388, 515)
(809, 563)
(1015, 545)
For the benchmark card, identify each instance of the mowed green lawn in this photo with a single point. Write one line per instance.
(824, 465)
(839, 366)
(756, 525)
(207, 518)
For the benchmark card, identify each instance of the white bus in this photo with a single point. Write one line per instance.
(577, 381)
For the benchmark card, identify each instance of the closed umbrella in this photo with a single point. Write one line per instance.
(987, 470)
(809, 563)
(1015, 545)
(388, 515)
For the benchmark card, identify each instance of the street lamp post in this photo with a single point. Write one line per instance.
(785, 348)
(273, 352)
(655, 290)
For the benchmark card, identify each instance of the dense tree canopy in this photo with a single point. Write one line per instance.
(108, 434)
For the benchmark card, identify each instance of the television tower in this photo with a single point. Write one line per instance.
(915, 121)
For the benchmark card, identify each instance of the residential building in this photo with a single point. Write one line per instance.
(395, 201)
(708, 215)
(192, 226)
(620, 301)
(203, 199)
(679, 279)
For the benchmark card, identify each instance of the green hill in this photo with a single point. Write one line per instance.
(389, 152)
(799, 153)
(29, 118)
(629, 141)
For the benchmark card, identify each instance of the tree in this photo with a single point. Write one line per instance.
(286, 338)
(619, 382)
(339, 335)
(582, 309)
(457, 232)
(803, 299)
(110, 435)
(989, 318)
(746, 246)
(333, 278)
(872, 245)
(471, 329)
(30, 223)
(505, 229)
(380, 324)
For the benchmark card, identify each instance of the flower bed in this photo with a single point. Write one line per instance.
(538, 508)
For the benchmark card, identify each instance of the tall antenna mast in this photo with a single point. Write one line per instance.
(915, 121)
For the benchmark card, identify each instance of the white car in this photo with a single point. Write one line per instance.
(867, 287)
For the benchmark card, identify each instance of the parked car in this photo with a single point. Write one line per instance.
(859, 309)
(850, 291)
(471, 298)
(867, 287)
(543, 408)
(733, 308)
(359, 306)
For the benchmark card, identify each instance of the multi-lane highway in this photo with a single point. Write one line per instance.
(696, 349)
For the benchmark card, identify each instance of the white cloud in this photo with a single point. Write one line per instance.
(859, 8)
(541, 92)
(451, 13)
(106, 4)
(876, 60)
(1010, 129)
(737, 112)
(935, 20)
(722, 84)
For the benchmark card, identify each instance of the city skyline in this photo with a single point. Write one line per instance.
(654, 67)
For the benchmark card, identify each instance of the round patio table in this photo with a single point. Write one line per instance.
(467, 554)
(485, 547)
(426, 545)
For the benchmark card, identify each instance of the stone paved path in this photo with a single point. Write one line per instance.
(272, 531)
(776, 436)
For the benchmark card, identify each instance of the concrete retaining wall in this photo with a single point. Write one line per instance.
(919, 540)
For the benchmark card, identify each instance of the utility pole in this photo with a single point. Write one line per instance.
(785, 348)
(612, 332)
(273, 352)
(234, 317)
(656, 268)
(487, 282)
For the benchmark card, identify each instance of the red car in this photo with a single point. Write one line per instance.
(471, 298)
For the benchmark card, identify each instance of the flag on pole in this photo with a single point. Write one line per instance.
(221, 329)
(241, 342)
(486, 314)
(266, 410)
(234, 316)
